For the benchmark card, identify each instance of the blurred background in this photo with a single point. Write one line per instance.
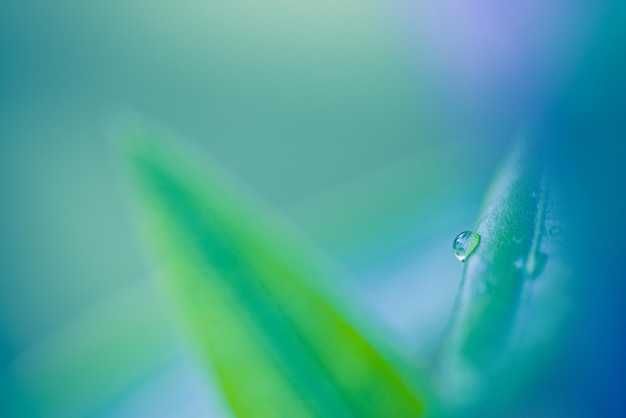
(373, 128)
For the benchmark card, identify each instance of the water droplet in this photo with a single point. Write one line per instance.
(536, 264)
(464, 244)
(519, 263)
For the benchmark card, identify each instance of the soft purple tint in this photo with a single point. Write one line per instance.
(499, 56)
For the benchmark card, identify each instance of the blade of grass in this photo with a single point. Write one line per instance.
(91, 360)
(513, 297)
(277, 343)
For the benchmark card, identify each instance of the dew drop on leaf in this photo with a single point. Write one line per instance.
(464, 244)
(536, 264)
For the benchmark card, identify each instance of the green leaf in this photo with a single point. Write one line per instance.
(250, 295)
(514, 293)
(89, 361)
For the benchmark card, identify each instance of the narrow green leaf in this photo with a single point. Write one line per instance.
(251, 298)
(92, 359)
(513, 296)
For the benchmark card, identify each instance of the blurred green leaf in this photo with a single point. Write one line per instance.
(252, 299)
(514, 293)
(85, 364)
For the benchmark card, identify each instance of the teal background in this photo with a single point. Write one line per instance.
(373, 128)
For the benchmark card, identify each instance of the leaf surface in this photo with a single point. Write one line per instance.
(514, 292)
(250, 296)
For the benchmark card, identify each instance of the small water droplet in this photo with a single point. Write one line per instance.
(464, 244)
(555, 230)
(536, 264)
(519, 263)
